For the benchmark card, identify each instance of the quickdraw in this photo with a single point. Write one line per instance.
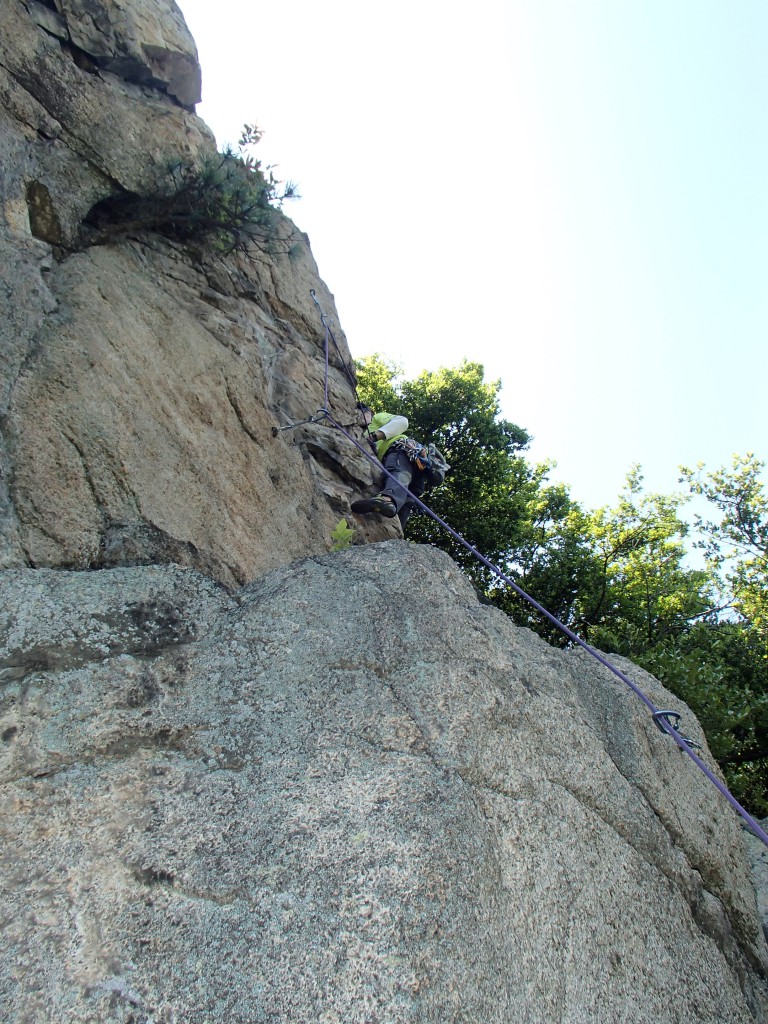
(668, 717)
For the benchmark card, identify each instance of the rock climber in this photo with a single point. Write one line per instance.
(413, 466)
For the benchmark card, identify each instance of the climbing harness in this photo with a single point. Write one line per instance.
(667, 722)
(426, 458)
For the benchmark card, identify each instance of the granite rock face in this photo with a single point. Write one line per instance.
(140, 383)
(344, 792)
(147, 42)
(74, 132)
(757, 854)
(303, 802)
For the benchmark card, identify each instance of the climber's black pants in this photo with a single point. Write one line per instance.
(407, 476)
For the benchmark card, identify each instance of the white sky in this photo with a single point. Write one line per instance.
(571, 192)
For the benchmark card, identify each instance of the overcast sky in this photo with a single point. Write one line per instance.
(571, 192)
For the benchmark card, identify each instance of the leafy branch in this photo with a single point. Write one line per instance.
(227, 201)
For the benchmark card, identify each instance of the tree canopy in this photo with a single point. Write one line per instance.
(687, 601)
(486, 491)
(735, 543)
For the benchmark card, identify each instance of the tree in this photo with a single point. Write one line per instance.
(721, 668)
(552, 561)
(226, 201)
(486, 493)
(718, 668)
(641, 590)
(736, 545)
(618, 576)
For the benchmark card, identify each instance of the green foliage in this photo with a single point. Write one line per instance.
(719, 670)
(227, 202)
(621, 576)
(729, 688)
(553, 562)
(486, 491)
(642, 590)
(342, 536)
(736, 544)
(616, 576)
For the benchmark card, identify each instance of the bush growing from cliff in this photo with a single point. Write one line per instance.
(227, 202)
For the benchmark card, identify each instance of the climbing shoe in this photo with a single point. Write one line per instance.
(384, 506)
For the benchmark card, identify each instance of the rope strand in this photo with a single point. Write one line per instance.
(657, 714)
(660, 717)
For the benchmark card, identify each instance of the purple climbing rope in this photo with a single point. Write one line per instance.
(660, 717)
